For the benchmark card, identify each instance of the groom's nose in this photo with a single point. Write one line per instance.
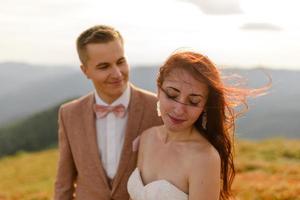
(116, 72)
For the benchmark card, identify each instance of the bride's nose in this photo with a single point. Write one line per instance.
(179, 108)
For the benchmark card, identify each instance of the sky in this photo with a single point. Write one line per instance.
(234, 33)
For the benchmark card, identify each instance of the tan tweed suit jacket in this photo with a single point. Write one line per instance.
(80, 172)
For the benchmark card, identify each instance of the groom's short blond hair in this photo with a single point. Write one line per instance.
(95, 34)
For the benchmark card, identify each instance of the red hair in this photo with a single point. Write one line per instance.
(221, 101)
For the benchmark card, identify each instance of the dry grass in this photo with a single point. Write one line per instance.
(266, 170)
(28, 176)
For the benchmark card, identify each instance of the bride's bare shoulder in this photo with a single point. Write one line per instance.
(203, 156)
(146, 141)
(203, 169)
(200, 153)
(150, 134)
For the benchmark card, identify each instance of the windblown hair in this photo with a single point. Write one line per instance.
(95, 34)
(221, 101)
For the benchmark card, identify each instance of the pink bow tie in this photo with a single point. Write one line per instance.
(102, 111)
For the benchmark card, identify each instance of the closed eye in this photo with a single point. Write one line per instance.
(171, 93)
(194, 103)
(194, 100)
(121, 61)
(171, 96)
(102, 66)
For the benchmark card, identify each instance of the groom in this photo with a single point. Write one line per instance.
(97, 132)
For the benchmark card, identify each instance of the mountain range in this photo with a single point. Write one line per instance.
(27, 89)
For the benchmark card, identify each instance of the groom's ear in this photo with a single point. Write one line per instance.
(84, 70)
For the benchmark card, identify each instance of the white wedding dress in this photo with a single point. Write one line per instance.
(156, 190)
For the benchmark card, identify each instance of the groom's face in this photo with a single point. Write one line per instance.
(107, 67)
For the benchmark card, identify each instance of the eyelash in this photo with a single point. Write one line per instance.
(174, 97)
(194, 104)
(170, 96)
(106, 66)
(102, 67)
(121, 62)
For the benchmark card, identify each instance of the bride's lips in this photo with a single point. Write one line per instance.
(176, 120)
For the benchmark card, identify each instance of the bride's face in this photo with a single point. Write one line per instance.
(182, 99)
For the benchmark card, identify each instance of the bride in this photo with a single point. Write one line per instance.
(190, 155)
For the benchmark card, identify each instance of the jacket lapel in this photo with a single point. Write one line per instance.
(91, 135)
(135, 113)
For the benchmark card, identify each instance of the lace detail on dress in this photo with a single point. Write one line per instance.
(156, 190)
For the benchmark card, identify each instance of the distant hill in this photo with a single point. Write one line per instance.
(33, 133)
(27, 89)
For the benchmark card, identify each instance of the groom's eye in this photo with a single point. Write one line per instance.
(102, 66)
(121, 61)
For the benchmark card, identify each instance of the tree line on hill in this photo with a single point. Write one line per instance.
(34, 133)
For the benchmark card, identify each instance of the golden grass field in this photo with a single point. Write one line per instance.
(266, 170)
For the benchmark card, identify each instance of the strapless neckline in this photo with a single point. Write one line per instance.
(157, 181)
(155, 190)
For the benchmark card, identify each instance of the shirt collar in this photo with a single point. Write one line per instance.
(123, 99)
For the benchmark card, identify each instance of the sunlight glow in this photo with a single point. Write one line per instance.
(45, 31)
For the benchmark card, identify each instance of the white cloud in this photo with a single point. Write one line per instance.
(217, 7)
(260, 27)
(283, 13)
(45, 31)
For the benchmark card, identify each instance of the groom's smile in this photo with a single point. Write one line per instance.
(107, 67)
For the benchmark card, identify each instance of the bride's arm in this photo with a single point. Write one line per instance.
(140, 150)
(144, 142)
(204, 176)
